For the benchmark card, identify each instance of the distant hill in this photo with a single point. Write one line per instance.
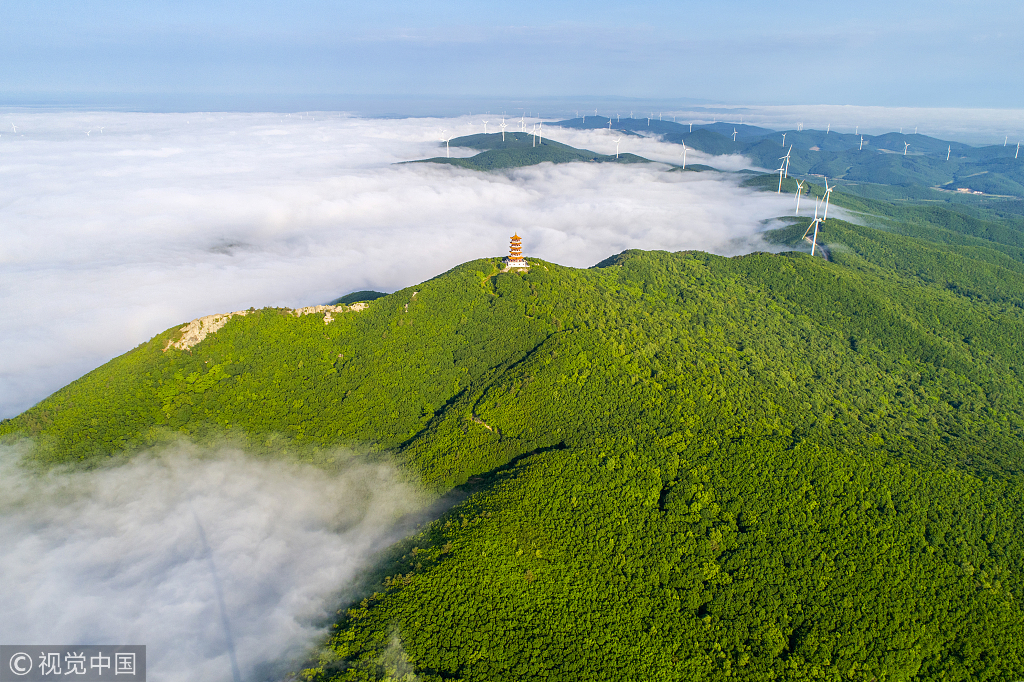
(357, 297)
(991, 170)
(523, 149)
(654, 126)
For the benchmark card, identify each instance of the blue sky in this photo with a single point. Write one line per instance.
(916, 53)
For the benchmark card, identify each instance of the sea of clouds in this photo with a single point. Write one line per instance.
(120, 225)
(201, 555)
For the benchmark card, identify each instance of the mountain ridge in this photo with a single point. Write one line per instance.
(675, 465)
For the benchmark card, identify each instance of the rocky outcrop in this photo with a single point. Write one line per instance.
(198, 329)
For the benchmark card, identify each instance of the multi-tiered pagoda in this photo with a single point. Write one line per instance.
(515, 254)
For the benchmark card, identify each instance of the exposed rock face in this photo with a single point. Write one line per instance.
(198, 329)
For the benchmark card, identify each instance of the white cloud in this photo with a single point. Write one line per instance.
(114, 236)
(117, 556)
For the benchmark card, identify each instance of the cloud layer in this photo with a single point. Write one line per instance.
(136, 554)
(118, 226)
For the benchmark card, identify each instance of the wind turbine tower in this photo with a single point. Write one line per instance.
(617, 141)
(828, 193)
(814, 224)
(733, 134)
(799, 191)
(906, 146)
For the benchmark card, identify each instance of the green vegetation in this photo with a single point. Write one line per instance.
(521, 149)
(677, 466)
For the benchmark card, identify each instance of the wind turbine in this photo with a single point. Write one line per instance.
(1007, 139)
(856, 130)
(15, 127)
(733, 134)
(609, 123)
(828, 193)
(781, 168)
(691, 126)
(540, 132)
(522, 124)
(617, 141)
(534, 133)
(1018, 150)
(799, 191)
(684, 156)
(814, 224)
(786, 159)
(828, 129)
(783, 140)
(906, 146)
(861, 143)
(485, 127)
(503, 126)
(949, 150)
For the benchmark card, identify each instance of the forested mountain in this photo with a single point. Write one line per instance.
(678, 466)
(889, 159)
(513, 150)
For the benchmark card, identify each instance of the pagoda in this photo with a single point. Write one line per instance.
(515, 254)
